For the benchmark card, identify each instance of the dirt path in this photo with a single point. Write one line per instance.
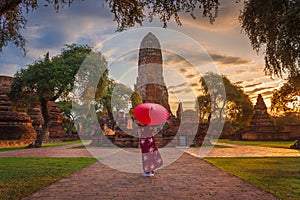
(187, 178)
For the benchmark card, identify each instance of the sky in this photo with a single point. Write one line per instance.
(188, 50)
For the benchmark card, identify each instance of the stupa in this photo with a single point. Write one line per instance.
(261, 127)
(150, 81)
(261, 122)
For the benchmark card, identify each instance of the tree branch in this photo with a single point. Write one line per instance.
(8, 5)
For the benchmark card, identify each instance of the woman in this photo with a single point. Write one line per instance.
(151, 157)
(149, 116)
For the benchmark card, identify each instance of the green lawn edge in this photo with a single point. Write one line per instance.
(21, 177)
(279, 176)
(12, 148)
(274, 144)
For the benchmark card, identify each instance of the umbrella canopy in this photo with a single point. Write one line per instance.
(150, 114)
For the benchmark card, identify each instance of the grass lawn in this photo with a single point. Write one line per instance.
(276, 144)
(44, 145)
(279, 176)
(21, 177)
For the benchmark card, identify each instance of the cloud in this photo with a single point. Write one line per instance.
(239, 82)
(228, 60)
(50, 38)
(257, 90)
(190, 76)
(267, 93)
(177, 86)
(241, 71)
(84, 22)
(194, 85)
(8, 70)
(252, 85)
(183, 70)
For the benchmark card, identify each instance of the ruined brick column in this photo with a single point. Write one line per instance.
(15, 127)
(150, 81)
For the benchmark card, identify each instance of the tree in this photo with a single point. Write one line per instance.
(68, 115)
(270, 25)
(274, 25)
(136, 99)
(49, 79)
(238, 105)
(127, 13)
(130, 12)
(287, 98)
(12, 20)
(115, 97)
(213, 104)
(213, 93)
(121, 97)
(103, 99)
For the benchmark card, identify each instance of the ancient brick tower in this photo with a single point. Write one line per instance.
(261, 122)
(150, 81)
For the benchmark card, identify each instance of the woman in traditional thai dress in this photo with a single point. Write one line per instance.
(151, 157)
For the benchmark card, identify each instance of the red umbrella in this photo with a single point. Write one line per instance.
(150, 114)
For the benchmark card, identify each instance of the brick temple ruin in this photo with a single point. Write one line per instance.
(151, 86)
(262, 127)
(18, 126)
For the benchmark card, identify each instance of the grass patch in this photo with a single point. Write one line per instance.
(274, 144)
(62, 143)
(279, 176)
(43, 145)
(21, 177)
(11, 148)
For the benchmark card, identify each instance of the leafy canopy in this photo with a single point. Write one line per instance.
(49, 79)
(287, 98)
(274, 26)
(127, 13)
(238, 105)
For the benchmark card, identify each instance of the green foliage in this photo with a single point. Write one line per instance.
(121, 97)
(21, 177)
(49, 79)
(136, 99)
(12, 20)
(65, 107)
(287, 98)
(274, 26)
(238, 105)
(285, 119)
(130, 12)
(213, 96)
(127, 13)
(278, 176)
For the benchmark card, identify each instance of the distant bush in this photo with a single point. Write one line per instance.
(287, 118)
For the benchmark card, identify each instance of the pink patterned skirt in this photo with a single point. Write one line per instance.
(150, 155)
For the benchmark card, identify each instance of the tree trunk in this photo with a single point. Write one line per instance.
(70, 127)
(41, 134)
(221, 111)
